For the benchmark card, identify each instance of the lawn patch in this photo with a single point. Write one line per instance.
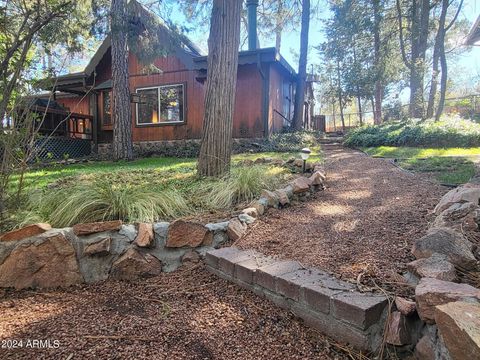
(448, 166)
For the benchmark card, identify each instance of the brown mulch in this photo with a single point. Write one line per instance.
(188, 314)
(361, 228)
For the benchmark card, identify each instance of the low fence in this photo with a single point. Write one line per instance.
(56, 147)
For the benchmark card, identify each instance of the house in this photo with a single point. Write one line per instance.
(473, 37)
(168, 104)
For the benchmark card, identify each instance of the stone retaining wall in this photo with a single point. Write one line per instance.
(332, 306)
(93, 252)
(448, 307)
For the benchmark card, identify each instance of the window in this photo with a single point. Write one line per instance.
(161, 105)
(107, 108)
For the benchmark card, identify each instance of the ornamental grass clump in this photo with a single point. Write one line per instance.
(242, 185)
(103, 200)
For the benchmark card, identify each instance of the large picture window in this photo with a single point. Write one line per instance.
(161, 105)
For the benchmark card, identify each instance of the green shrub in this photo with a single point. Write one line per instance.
(448, 132)
(291, 141)
(103, 200)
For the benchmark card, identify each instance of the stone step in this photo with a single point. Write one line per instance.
(331, 306)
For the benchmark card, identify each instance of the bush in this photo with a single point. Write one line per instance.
(448, 132)
(292, 141)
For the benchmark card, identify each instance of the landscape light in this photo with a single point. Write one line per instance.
(305, 154)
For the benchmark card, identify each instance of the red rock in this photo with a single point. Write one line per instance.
(236, 229)
(99, 248)
(95, 227)
(436, 266)
(425, 349)
(397, 330)
(460, 194)
(48, 262)
(317, 178)
(282, 197)
(25, 232)
(430, 293)
(145, 237)
(251, 211)
(459, 326)
(406, 307)
(271, 197)
(133, 265)
(301, 185)
(186, 233)
(448, 242)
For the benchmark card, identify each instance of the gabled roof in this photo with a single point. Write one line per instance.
(473, 36)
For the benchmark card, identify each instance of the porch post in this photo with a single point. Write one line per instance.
(94, 113)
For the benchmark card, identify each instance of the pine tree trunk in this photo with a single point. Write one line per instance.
(420, 19)
(443, 77)
(377, 111)
(340, 96)
(121, 109)
(222, 64)
(298, 108)
(279, 26)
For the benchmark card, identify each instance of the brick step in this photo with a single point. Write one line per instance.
(331, 306)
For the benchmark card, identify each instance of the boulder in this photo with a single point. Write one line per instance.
(430, 293)
(282, 197)
(133, 265)
(251, 211)
(236, 229)
(459, 325)
(47, 261)
(95, 227)
(216, 227)
(436, 266)
(317, 178)
(406, 307)
(447, 242)
(187, 233)
(301, 185)
(271, 198)
(129, 231)
(458, 210)
(145, 237)
(247, 219)
(259, 161)
(461, 194)
(160, 230)
(99, 248)
(425, 349)
(398, 332)
(259, 207)
(25, 232)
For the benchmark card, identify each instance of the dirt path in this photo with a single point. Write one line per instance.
(187, 314)
(363, 223)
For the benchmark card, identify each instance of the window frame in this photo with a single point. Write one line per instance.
(165, 123)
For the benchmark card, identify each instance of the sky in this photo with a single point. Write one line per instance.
(291, 39)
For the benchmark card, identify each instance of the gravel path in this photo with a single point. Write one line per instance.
(188, 314)
(363, 223)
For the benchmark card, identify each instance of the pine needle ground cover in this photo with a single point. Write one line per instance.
(150, 189)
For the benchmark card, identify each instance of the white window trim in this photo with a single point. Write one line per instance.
(160, 123)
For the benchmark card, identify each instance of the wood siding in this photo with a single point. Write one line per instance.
(248, 115)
